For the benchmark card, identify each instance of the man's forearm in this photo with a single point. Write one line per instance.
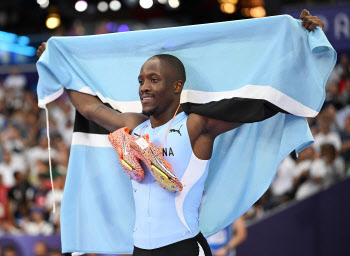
(106, 117)
(93, 109)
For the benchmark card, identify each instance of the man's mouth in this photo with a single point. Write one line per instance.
(146, 98)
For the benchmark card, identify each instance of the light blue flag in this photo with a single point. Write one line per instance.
(270, 70)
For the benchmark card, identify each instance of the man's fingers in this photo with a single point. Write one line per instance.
(308, 24)
(313, 22)
(312, 26)
(304, 13)
(304, 22)
(41, 49)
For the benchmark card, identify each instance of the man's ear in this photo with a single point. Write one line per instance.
(178, 85)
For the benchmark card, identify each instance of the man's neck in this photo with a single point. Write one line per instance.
(164, 117)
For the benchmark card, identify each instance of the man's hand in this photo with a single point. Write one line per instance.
(309, 21)
(41, 49)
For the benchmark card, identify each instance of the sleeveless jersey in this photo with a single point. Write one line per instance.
(164, 217)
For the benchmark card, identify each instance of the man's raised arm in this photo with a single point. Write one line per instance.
(93, 109)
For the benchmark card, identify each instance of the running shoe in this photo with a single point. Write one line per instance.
(156, 164)
(129, 159)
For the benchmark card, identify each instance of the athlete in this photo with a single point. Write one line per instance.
(160, 228)
(225, 242)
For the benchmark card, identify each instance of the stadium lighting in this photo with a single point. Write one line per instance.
(162, 1)
(228, 1)
(102, 6)
(81, 5)
(43, 3)
(174, 3)
(258, 12)
(146, 4)
(115, 5)
(228, 8)
(23, 40)
(123, 28)
(53, 21)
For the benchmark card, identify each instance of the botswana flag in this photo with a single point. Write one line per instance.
(268, 73)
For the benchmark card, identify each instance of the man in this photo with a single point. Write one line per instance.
(160, 229)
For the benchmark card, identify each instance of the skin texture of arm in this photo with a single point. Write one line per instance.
(93, 109)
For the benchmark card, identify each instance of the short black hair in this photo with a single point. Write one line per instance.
(175, 63)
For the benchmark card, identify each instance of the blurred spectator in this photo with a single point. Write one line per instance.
(258, 210)
(8, 168)
(283, 182)
(12, 139)
(10, 251)
(41, 191)
(57, 199)
(55, 252)
(325, 135)
(226, 241)
(39, 152)
(340, 71)
(345, 137)
(333, 95)
(40, 249)
(8, 228)
(345, 96)
(37, 225)
(20, 195)
(301, 173)
(313, 175)
(333, 166)
(15, 80)
(62, 155)
(3, 200)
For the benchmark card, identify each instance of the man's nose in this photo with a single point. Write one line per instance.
(145, 87)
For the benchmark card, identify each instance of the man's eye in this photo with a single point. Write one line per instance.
(154, 80)
(140, 81)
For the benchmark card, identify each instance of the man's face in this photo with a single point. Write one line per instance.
(156, 92)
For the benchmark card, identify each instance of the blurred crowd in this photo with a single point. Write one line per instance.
(324, 163)
(26, 199)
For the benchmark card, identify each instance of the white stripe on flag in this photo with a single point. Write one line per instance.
(258, 92)
(91, 139)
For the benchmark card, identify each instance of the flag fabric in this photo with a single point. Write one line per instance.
(268, 73)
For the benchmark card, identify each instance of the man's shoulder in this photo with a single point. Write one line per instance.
(133, 120)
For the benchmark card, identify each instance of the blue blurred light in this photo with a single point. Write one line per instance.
(8, 37)
(20, 49)
(123, 28)
(23, 40)
(111, 27)
(17, 44)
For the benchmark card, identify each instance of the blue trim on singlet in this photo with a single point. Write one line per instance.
(157, 221)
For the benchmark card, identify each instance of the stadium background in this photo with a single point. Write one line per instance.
(305, 212)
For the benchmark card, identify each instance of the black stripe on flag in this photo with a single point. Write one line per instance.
(240, 110)
(82, 124)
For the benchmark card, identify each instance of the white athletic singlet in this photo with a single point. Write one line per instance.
(164, 217)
